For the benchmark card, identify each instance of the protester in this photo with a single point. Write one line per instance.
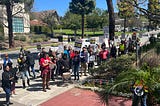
(44, 63)
(91, 60)
(64, 65)
(30, 62)
(66, 52)
(40, 55)
(140, 92)
(113, 51)
(76, 65)
(53, 66)
(23, 68)
(121, 48)
(6, 83)
(72, 54)
(13, 71)
(84, 60)
(104, 54)
(7, 61)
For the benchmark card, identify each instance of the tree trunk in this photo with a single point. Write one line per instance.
(111, 19)
(75, 33)
(125, 20)
(9, 7)
(82, 25)
(52, 32)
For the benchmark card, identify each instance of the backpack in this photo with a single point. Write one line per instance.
(5, 62)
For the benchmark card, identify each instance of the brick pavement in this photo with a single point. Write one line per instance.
(79, 97)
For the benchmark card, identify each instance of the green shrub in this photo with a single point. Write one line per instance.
(37, 40)
(16, 38)
(22, 38)
(114, 66)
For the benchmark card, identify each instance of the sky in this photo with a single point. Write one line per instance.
(61, 6)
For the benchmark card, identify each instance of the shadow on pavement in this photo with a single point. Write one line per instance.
(35, 87)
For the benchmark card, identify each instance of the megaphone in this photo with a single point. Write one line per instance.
(139, 91)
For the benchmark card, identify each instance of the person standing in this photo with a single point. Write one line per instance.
(91, 60)
(104, 54)
(30, 62)
(113, 51)
(140, 92)
(6, 83)
(40, 55)
(76, 64)
(44, 63)
(23, 68)
(84, 60)
(7, 61)
(53, 66)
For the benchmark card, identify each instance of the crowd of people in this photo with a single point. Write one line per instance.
(53, 64)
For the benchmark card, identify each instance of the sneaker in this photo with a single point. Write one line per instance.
(48, 88)
(44, 90)
(9, 103)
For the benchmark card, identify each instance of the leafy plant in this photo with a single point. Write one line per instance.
(113, 67)
(149, 73)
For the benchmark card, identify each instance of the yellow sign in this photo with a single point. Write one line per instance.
(78, 44)
(92, 41)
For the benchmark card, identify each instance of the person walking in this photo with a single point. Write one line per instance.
(23, 68)
(46, 73)
(76, 64)
(6, 83)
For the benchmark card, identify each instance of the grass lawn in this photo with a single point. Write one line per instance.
(71, 32)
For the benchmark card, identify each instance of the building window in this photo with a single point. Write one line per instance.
(18, 25)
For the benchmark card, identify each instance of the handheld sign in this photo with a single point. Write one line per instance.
(78, 45)
(92, 41)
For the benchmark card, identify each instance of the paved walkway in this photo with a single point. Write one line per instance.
(33, 95)
(79, 97)
(61, 94)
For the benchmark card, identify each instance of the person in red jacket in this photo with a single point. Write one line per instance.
(45, 62)
(104, 54)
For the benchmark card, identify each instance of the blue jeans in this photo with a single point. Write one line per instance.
(142, 99)
(8, 92)
(76, 71)
(33, 70)
(24, 74)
